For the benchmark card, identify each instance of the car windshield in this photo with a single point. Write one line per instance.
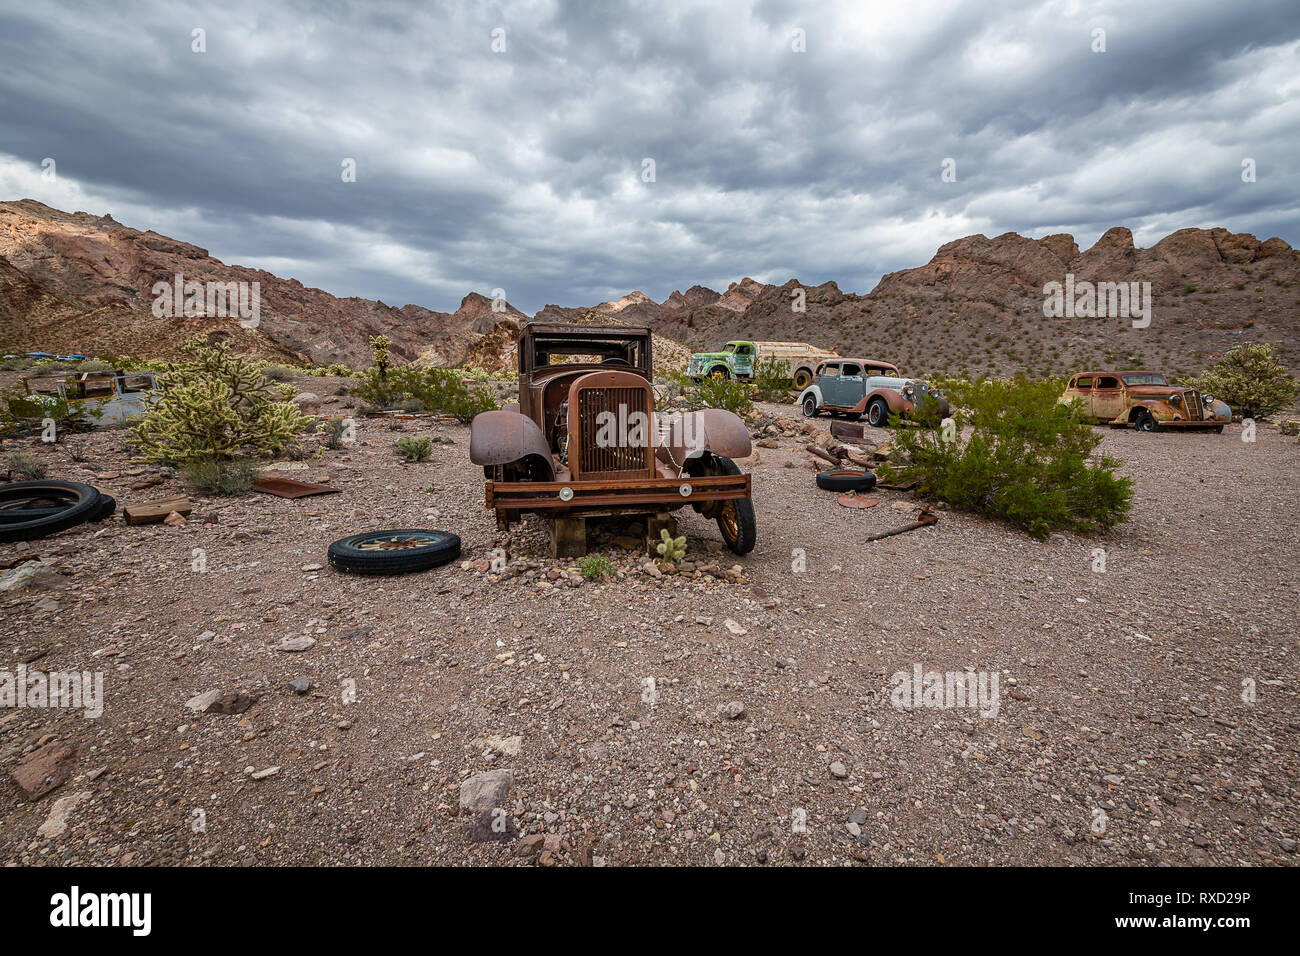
(1145, 378)
(730, 347)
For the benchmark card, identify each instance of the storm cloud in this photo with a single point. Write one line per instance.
(504, 145)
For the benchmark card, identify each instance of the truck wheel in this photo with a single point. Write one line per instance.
(802, 379)
(719, 374)
(810, 407)
(878, 413)
(736, 519)
(394, 552)
(1146, 422)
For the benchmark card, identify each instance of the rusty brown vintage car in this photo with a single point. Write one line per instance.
(1144, 400)
(584, 440)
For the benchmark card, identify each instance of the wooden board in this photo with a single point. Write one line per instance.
(152, 512)
(289, 488)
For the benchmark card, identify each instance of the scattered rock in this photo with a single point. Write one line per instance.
(294, 645)
(44, 769)
(57, 821)
(486, 790)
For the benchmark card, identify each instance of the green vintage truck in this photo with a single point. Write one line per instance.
(741, 359)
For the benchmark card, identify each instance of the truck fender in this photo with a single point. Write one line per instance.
(692, 434)
(504, 437)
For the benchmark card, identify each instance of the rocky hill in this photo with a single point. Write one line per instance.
(74, 281)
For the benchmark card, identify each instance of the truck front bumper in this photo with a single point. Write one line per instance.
(643, 494)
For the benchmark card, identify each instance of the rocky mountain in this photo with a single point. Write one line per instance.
(74, 281)
(93, 262)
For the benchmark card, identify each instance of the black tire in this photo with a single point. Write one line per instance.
(1146, 422)
(878, 413)
(810, 407)
(107, 505)
(80, 502)
(845, 479)
(802, 379)
(736, 521)
(719, 372)
(394, 552)
(1218, 430)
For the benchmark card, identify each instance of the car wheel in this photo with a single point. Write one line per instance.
(1218, 430)
(1146, 422)
(719, 375)
(394, 552)
(736, 520)
(34, 509)
(802, 379)
(845, 479)
(878, 413)
(810, 407)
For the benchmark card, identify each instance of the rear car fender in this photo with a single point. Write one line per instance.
(505, 437)
(709, 430)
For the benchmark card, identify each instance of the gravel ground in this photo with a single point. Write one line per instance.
(1121, 734)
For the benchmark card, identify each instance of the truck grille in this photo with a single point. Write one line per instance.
(619, 458)
(1195, 412)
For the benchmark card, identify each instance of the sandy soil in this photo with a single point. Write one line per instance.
(1121, 735)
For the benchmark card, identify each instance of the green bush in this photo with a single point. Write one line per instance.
(594, 566)
(414, 449)
(1250, 379)
(335, 432)
(437, 390)
(772, 381)
(216, 407)
(1026, 460)
(718, 393)
(209, 477)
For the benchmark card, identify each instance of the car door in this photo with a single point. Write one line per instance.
(850, 387)
(1107, 397)
(830, 384)
(743, 360)
(1083, 388)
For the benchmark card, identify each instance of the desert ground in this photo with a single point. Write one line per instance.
(1125, 732)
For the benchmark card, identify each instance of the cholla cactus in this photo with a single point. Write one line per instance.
(215, 407)
(670, 548)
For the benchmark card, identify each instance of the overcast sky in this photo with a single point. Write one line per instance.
(524, 169)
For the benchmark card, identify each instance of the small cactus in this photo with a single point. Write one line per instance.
(670, 548)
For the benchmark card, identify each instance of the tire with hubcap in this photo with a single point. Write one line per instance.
(394, 552)
(802, 379)
(736, 518)
(810, 406)
(1146, 422)
(878, 413)
(719, 374)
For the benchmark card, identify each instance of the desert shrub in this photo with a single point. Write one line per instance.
(1291, 428)
(718, 393)
(438, 390)
(1026, 460)
(216, 407)
(94, 365)
(24, 466)
(335, 431)
(413, 449)
(1250, 379)
(772, 381)
(22, 413)
(594, 566)
(211, 477)
(280, 373)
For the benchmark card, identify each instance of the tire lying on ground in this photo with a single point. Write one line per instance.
(107, 505)
(845, 479)
(33, 509)
(393, 552)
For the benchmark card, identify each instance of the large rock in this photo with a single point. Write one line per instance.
(486, 790)
(45, 769)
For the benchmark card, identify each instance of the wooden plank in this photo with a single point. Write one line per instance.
(152, 512)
